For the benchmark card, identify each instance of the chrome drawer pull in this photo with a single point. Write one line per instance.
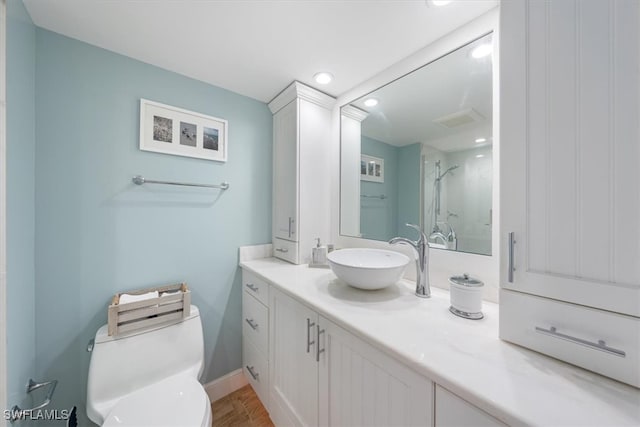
(318, 351)
(253, 287)
(512, 243)
(600, 345)
(310, 325)
(255, 375)
(283, 250)
(252, 323)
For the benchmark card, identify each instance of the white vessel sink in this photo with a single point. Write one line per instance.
(368, 268)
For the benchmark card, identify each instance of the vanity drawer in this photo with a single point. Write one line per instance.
(255, 322)
(572, 333)
(256, 370)
(256, 287)
(286, 250)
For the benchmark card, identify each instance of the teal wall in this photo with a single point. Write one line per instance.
(21, 140)
(97, 234)
(378, 218)
(385, 219)
(408, 189)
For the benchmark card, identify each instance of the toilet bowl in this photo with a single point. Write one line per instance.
(150, 377)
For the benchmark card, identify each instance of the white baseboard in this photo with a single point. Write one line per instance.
(225, 385)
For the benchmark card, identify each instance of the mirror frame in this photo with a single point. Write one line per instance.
(443, 263)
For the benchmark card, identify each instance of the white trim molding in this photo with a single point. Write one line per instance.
(354, 113)
(225, 385)
(299, 90)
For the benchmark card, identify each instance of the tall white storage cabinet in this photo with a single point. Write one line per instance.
(570, 181)
(301, 190)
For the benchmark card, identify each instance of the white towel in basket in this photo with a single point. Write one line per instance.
(125, 298)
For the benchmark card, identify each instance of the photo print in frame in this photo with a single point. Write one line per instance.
(172, 130)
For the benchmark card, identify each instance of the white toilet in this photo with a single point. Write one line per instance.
(150, 377)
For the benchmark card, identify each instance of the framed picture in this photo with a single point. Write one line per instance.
(171, 130)
(371, 168)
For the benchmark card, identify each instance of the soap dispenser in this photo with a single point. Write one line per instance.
(319, 256)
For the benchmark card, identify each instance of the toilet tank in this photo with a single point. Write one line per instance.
(121, 365)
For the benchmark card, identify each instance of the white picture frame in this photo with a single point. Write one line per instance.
(371, 168)
(172, 130)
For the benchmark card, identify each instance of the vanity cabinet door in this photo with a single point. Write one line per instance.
(570, 150)
(361, 386)
(285, 172)
(294, 370)
(452, 411)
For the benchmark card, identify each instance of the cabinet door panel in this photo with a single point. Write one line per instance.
(359, 385)
(570, 182)
(452, 411)
(294, 370)
(285, 172)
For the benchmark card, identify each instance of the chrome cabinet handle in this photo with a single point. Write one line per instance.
(310, 325)
(253, 287)
(289, 226)
(255, 375)
(252, 323)
(283, 250)
(512, 243)
(318, 351)
(600, 345)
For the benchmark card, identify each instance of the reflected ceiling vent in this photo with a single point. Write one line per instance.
(459, 118)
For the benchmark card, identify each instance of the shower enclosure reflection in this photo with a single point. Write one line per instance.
(419, 150)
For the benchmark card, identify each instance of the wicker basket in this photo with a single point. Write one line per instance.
(173, 304)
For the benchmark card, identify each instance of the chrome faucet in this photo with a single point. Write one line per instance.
(421, 247)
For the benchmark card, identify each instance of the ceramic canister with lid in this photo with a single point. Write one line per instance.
(466, 297)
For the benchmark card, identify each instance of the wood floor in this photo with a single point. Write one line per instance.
(240, 408)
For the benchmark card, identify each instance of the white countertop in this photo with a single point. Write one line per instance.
(516, 385)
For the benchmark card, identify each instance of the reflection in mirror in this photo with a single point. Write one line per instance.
(419, 150)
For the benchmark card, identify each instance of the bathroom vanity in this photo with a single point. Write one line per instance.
(337, 355)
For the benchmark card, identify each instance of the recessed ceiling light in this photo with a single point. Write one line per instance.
(482, 50)
(440, 2)
(371, 102)
(479, 155)
(323, 78)
(479, 140)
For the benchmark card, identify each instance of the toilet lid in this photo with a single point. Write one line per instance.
(176, 401)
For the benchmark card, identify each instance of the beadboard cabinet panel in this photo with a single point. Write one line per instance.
(570, 159)
(359, 385)
(293, 366)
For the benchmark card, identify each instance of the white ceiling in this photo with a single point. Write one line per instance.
(257, 47)
(408, 106)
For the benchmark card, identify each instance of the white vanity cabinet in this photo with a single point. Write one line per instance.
(452, 411)
(570, 181)
(323, 375)
(301, 186)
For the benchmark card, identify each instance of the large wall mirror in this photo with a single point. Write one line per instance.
(419, 150)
